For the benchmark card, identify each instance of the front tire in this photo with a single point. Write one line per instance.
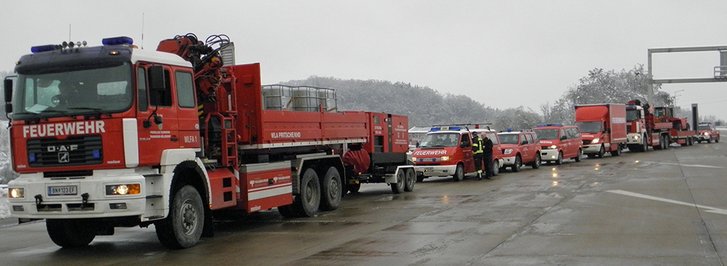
(69, 233)
(185, 223)
(518, 164)
(331, 190)
(496, 167)
(560, 158)
(601, 152)
(536, 163)
(458, 173)
(578, 157)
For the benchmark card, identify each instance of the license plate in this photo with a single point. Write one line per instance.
(62, 190)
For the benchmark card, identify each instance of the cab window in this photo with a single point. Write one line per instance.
(466, 140)
(185, 89)
(563, 134)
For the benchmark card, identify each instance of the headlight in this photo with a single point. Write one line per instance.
(636, 137)
(553, 146)
(444, 158)
(123, 189)
(706, 134)
(595, 140)
(508, 151)
(413, 159)
(16, 193)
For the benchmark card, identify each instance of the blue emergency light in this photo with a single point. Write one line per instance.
(96, 154)
(121, 40)
(31, 157)
(44, 48)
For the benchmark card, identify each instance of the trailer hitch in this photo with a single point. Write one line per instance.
(38, 200)
(84, 200)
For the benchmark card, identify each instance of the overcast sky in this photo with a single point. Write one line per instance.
(501, 53)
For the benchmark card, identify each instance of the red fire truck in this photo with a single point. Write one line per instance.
(707, 133)
(115, 136)
(603, 128)
(657, 129)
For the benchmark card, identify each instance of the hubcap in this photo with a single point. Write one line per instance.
(189, 217)
(309, 192)
(334, 188)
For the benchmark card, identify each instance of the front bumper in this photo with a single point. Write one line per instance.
(549, 154)
(508, 160)
(593, 148)
(435, 170)
(38, 204)
(634, 139)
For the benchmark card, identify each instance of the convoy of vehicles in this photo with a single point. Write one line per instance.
(603, 128)
(520, 148)
(559, 142)
(115, 136)
(707, 132)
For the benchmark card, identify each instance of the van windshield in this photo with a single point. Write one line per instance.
(590, 127)
(547, 133)
(433, 140)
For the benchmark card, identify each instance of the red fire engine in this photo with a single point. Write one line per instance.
(657, 129)
(113, 136)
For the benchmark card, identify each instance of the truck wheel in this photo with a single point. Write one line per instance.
(617, 152)
(716, 140)
(518, 164)
(399, 186)
(560, 158)
(578, 156)
(601, 152)
(496, 167)
(331, 190)
(183, 227)
(536, 163)
(458, 173)
(70, 233)
(420, 178)
(306, 204)
(410, 180)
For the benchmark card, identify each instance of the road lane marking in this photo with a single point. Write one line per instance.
(643, 196)
(691, 165)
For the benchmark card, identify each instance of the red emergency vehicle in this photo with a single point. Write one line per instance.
(115, 136)
(558, 142)
(707, 133)
(603, 128)
(497, 157)
(520, 148)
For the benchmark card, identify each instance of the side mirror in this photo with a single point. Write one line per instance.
(524, 142)
(8, 91)
(563, 138)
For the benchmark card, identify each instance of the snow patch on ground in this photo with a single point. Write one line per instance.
(4, 206)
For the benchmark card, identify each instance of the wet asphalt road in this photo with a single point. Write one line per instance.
(660, 207)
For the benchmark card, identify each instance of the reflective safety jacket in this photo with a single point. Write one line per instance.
(478, 146)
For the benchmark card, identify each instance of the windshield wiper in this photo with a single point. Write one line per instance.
(86, 108)
(63, 112)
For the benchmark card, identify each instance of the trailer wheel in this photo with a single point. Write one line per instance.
(306, 204)
(399, 186)
(458, 173)
(410, 180)
(185, 223)
(496, 167)
(518, 164)
(70, 233)
(578, 156)
(560, 158)
(536, 163)
(331, 190)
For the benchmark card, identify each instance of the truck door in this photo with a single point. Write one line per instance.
(465, 145)
(155, 104)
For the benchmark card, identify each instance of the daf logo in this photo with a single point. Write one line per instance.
(62, 148)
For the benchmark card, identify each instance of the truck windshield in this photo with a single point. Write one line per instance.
(433, 140)
(547, 134)
(74, 92)
(509, 139)
(632, 115)
(590, 127)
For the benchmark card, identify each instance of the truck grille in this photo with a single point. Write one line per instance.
(70, 151)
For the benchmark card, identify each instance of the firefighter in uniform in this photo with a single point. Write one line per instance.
(477, 152)
(488, 157)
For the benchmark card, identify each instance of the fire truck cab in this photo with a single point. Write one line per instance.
(520, 148)
(558, 142)
(444, 151)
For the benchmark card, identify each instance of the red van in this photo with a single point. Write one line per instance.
(444, 151)
(497, 157)
(559, 142)
(520, 148)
